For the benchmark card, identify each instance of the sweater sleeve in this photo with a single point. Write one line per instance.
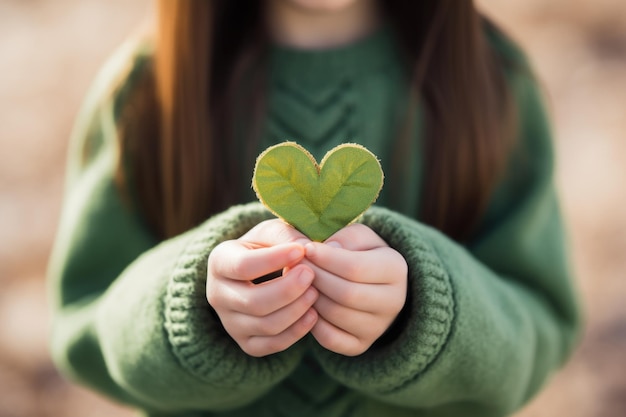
(130, 316)
(485, 324)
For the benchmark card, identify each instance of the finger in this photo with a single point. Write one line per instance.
(274, 232)
(266, 345)
(353, 295)
(363, 325)
(377, 266)
(268, 297)
(337, 340)
(235, 260)
(276, 322)
(356, 237)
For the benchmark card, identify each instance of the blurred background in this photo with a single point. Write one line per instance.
(51, 50)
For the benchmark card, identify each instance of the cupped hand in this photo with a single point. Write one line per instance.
(271, 316)
(362, 284)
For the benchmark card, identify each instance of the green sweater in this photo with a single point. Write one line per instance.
(484, 326)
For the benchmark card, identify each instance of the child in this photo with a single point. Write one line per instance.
(450, 297)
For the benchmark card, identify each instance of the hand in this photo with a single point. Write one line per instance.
(269, 317)
(362, 284)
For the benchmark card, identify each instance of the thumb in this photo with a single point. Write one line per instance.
(235, 259)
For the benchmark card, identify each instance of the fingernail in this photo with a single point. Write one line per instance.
(306, 276)
(309, 249)
(311, 295)
(334, 244)
(295, 254)
(310, 316)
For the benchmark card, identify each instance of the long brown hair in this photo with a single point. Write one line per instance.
(177, 128)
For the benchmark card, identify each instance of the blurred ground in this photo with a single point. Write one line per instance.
(51, 50)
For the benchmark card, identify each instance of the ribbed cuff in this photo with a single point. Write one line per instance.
(198, 339)
(387, 368)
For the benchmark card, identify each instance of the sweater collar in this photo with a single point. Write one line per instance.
(313, 66)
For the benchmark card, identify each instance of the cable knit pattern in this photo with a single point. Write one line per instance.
(315, 115)
(198, 340)
(391, 367)
(321, 98)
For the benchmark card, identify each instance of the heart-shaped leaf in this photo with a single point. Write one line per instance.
(318, 200)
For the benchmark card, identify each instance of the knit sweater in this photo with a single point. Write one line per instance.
(484, 325)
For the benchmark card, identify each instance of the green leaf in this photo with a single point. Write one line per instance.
(318, 200)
